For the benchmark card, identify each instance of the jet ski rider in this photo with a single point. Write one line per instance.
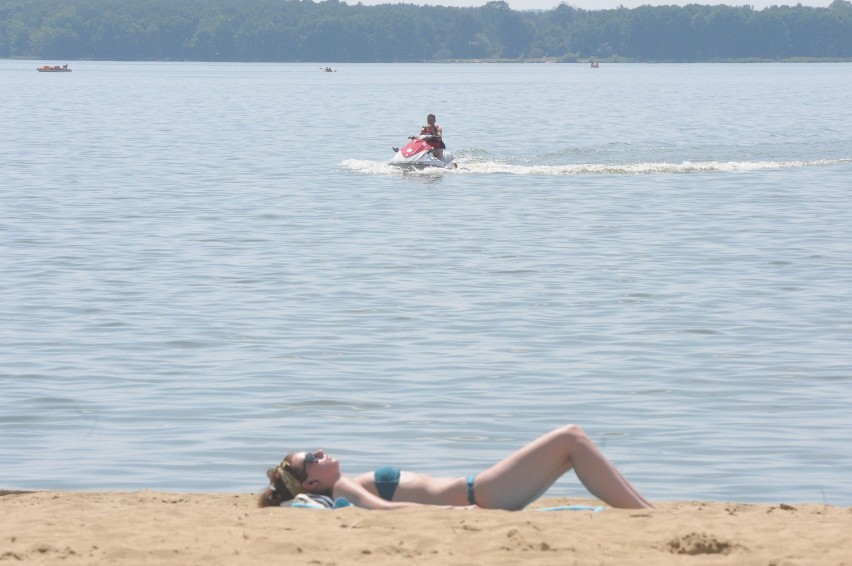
(432, 133)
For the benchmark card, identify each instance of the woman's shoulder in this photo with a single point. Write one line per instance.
(363, 479)
(350, 483)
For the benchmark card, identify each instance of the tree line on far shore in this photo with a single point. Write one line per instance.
(334, 31)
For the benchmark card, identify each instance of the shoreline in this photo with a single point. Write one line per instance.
(496, 61)
(154, 527)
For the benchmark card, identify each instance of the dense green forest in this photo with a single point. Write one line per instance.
(334, 31)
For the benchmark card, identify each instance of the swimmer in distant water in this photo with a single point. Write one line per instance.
(511, 484)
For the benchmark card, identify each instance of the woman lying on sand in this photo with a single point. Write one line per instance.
(511, 484)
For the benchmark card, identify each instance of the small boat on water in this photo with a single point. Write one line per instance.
(595, 65)
(53, 69)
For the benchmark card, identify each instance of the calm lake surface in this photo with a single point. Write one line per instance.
(205, 266)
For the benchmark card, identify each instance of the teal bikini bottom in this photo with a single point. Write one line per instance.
(471, 496)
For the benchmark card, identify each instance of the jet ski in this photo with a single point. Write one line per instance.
(420, 153)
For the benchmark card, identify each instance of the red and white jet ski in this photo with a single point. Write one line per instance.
(421, 152)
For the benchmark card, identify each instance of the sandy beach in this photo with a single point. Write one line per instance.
(150, 527)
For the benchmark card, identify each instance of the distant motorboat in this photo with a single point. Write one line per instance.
(327, 70)
(53, 69)
(595, 65)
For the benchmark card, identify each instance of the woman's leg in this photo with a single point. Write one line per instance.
(522, 477)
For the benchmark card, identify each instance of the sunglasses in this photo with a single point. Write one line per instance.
(310, 458)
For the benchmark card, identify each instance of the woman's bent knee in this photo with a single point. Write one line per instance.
(572, 433)
(572, 429)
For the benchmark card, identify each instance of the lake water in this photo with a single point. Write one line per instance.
(204, 266)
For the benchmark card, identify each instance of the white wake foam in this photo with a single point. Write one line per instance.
(382, 168)
(490, 166)
(643, 168)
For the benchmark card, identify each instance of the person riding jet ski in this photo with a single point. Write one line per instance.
(424, 150)
(432, 134)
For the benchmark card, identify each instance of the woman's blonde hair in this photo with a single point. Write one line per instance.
(285, 483)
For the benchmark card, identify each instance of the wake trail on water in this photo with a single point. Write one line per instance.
(505, 167)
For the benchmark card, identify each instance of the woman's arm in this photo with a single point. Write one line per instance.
(358, 495)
